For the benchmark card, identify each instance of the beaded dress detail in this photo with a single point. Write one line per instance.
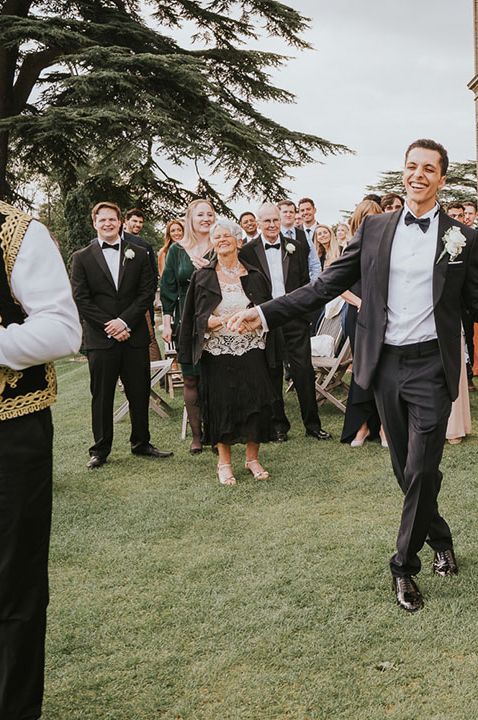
(223, 341)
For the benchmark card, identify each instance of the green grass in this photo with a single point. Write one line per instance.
(175, 598)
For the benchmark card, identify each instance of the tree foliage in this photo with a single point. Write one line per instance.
(460, 183)
(87, 86)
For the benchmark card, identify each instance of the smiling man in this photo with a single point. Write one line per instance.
(415, 266)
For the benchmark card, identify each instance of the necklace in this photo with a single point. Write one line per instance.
(231, 272)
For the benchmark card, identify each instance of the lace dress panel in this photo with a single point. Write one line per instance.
(223, 341)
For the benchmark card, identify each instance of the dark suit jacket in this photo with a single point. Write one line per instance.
(99, 301)
(204, 295)
(367, 258)
(295, 265)
(152, 257)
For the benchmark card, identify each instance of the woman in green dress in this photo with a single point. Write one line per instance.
(192, 252)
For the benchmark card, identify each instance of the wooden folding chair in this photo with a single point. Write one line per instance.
(329, 371)
(159, 368)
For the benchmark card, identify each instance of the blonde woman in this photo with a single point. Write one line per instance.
(184, 256)
(342, 233)
(326, 244)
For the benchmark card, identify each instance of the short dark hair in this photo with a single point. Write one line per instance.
(286, 203)
(134, 211)
(304, 200)
(389, 198)
(471, 202)
(247, 212)
(373, 197)
(455, 205)
(431, 145)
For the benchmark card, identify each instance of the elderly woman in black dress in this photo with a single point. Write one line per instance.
(236, 391)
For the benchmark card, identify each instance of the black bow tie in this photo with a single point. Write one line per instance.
(276, 246)
(423, 223)
(107, 246)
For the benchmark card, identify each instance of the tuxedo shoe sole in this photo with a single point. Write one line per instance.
(318, 434)
(95, 462)
(154, 455)
(407, 594)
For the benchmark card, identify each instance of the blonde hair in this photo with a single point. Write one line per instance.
(332, 252)
(364, 208)
(347, 234)
(190, 239)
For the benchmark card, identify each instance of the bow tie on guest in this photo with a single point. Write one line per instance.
(423, 223)
(107, 246)
(276, 246)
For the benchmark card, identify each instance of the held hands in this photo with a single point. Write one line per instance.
(215, 322)
(245, 321)
(117, 329)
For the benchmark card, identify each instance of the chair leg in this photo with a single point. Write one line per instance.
(184, 424)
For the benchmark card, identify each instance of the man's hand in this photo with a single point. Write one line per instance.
(245, 321)
(117, 329)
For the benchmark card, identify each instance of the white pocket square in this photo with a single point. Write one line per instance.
(455, 262)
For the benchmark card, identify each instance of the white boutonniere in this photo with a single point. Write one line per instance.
(128, 255)
(454, 241)
(290, 248)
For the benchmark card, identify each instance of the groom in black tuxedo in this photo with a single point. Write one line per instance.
(113, 287)
(416, 266)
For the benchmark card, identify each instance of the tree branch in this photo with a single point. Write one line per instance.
(29, 73)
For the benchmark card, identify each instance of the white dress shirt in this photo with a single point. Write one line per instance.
(410, 317)
(40, 284)
(313, 261)
(112, 258)
(276, 271)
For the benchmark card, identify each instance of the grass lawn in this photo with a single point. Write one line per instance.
(173, 598)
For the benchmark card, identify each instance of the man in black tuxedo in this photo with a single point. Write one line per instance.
(416, 266)
(285, 265)
(113, 287)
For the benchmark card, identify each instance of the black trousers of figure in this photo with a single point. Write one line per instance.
(296, 340)
(414, 405)
(131, 364)
(25, 519)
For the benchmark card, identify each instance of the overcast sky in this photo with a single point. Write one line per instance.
(382, 73)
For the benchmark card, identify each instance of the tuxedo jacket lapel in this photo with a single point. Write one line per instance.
(100, 259)
(384, 252)
(440, 267)
(123, 262)
(261, 256)
(285, 257)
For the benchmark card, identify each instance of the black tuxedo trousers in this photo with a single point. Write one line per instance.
(25, 518)
(414, 403)
(296, 349)
(131, 365)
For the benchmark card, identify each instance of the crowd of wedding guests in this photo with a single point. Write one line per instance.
(210, 267)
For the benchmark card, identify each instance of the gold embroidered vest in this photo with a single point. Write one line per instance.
(34, 388)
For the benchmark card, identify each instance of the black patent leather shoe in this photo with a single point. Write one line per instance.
(407, 594)
(279, 436)
(444, 563)
(95, 461)
(318, 434)
(151, 451)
